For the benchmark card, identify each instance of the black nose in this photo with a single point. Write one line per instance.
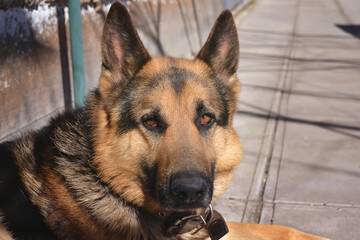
(190, 189)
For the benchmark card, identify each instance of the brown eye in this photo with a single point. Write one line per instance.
(206, 119)
(151, 123)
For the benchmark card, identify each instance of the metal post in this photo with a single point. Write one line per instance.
(64, 58)
(77, 52)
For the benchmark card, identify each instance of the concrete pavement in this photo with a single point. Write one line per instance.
(299, 118)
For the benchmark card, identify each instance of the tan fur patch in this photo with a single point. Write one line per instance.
(4, 233)
(73, 217)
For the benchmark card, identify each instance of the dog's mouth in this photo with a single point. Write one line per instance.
(186, 191)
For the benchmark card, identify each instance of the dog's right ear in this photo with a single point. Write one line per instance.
(123, 54)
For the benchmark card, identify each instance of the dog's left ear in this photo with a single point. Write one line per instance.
(123, 53)
(221, 50)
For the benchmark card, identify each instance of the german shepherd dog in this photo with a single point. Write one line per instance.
(143, 159)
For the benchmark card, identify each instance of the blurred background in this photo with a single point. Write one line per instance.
(298, 113)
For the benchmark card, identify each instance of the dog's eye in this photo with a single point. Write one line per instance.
(206, 119)
(151, 123)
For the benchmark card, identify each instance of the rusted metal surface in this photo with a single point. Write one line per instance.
(29, 91)
(34, 46)
(30, 76)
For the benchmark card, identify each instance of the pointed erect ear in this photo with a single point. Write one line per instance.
(123, 54)
(221, 50)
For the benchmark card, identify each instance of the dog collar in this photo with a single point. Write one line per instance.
(180, 223)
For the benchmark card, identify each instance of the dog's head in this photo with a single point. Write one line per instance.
(164, 136)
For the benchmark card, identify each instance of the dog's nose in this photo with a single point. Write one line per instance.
(189, 188)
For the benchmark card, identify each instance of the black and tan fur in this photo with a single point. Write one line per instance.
(102, 171)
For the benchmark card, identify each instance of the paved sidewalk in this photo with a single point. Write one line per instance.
(299, 118)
